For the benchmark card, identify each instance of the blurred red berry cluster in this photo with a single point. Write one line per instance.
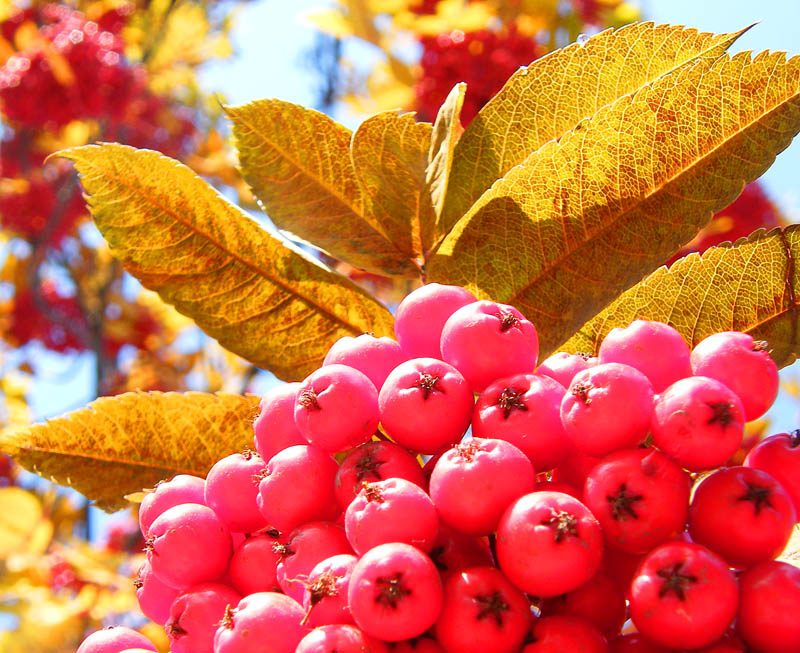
(484, 60)
(66, 69)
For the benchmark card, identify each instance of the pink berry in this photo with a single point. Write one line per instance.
(325, 595)
(298, 487)
(548, 543)
(769, 605)
(699, 422)
(337, 408)
(561, 633)
(194, 617)
(640, 497)
(421, 316)
(179, 531)
(607, 407)
(265, 621)
(453, 551)
(742, 364)
(743, 515)
(113, 640)
(274, 428)
(375, 461)
(307, 546)
(562, 366)
(374, 357)
(231, 491)
(779, 456)
(254, 565)
(525, 410)
(600, 601)
(183, 488)
(393, 510)
(425, 405)
(154, 597)
(486, 341)
(683, 596)
(395, 592)
(482, 611)
(340, 638)
(473, 483)
(655, 349)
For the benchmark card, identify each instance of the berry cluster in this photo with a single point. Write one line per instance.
(484, 60)
(575, 503)
(74, 69)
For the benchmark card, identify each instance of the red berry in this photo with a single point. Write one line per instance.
(683, 596)
(640, 497)
(482, 612)
(779, 456)
(395, 592)
(473, 483)
(743, 515)
(769, 605)
(565, 634)
(548, 543)
(274, 428)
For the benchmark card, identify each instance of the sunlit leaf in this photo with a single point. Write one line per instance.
(552, 95)
(21, 522)
(119, 445)
(446, 131)
(267, 302)
(588, 216)
(390, 156)
(791, 554)
(297, 162)
(752, 286)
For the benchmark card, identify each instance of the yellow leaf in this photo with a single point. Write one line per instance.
(390, 155)
(586, 217)
(752, 286)
(118, 445)
(446, 131)
(552, 95)
(330, 21)
(268, 302)
(297, 161)
(20, 520)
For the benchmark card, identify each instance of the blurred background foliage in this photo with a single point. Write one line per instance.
(127, 71)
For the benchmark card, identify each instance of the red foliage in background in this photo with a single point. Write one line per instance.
(483, 59)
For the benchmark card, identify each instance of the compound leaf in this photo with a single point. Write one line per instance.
(268, 302)
(751, 286)
(586, 217)
(551, 96)
(119, 445)
(298, 164)
(390, 156)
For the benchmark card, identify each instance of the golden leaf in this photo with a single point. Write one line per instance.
(446, 131)
(390, 155)
(752, 286)
(586, 217)
(330, 21)
(118, 445)
(551, 96)
(791, 554)
(262, 299)
(21, 522)
(297, 161)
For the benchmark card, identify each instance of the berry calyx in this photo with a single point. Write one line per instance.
(675, 581)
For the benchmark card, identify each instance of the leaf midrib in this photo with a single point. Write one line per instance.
(193, 228)
(98, 458)
(620, 216)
